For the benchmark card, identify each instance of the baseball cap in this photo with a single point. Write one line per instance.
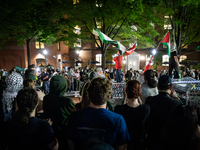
(31, 76)
(165, 80)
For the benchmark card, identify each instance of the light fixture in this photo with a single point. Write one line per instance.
(77, 52)
(124, 61)
(154, 51)
(142, 57)
(45, 52)
(37, 69)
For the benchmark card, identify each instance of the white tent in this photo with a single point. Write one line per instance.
(133, 61)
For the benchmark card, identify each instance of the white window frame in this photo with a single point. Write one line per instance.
(98, 58)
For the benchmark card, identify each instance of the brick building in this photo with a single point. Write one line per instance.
(14, 55)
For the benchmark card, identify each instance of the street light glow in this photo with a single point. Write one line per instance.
(142, 57)
(78, 52)
(154, 51)
(45, 52)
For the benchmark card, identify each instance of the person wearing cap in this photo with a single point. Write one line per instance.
(161, 106)
(118, 65)
(173, 63)
(31, 82)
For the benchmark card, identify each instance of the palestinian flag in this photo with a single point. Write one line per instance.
(166, 42)
(148, 66)
(130, 50)
(105, 39)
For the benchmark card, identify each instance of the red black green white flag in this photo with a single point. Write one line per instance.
(130, 50)
(166, 42)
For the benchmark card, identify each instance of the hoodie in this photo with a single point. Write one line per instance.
(55, 105)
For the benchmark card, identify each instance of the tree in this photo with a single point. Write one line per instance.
(183, 19)
(125, 21)
(24, 20)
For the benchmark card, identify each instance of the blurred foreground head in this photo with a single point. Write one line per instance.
(99, 90)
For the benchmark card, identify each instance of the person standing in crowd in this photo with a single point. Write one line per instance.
(111, 74)
(196, 72)
(135, 115)
(31, 82)
(14, 83)
(77, 80)
(118, 65)
(149, 88)
(161, 106)
(182, 131)
(128, 75)
(45, 77)
(173, 63)
(71, 77)
(29, 71)
(96, 122)
(58, 108)
(27, 131)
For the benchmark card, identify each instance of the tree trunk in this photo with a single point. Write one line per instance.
(103, 59)
(28, 51)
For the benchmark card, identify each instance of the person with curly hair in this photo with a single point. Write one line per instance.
(27, 131)
(135, 115)
(96, 122)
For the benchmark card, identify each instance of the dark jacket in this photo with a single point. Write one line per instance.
(161, 106)
(55, 105)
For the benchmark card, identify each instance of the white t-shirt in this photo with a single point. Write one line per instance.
(147, 91)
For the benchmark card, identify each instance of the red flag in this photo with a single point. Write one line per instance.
(166, 38)
(148, 66)
(130, 50)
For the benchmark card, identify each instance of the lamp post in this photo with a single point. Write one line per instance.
(153, 52)
(45, 54)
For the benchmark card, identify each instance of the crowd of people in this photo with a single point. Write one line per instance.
(151, 117)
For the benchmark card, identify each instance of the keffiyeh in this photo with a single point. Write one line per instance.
(14, 83)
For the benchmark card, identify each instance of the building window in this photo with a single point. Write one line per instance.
(98, 41)
(165, 60)
(185, 47)
(39, 45)
(75, 1)
(78, 44)
(58, 46)
(167, 23)
(98, 25)
(98, 58)
(183, 57)
(77, 30)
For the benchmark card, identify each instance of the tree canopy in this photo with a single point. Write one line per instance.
(24, 20)
(126, 21)
(181, 18)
